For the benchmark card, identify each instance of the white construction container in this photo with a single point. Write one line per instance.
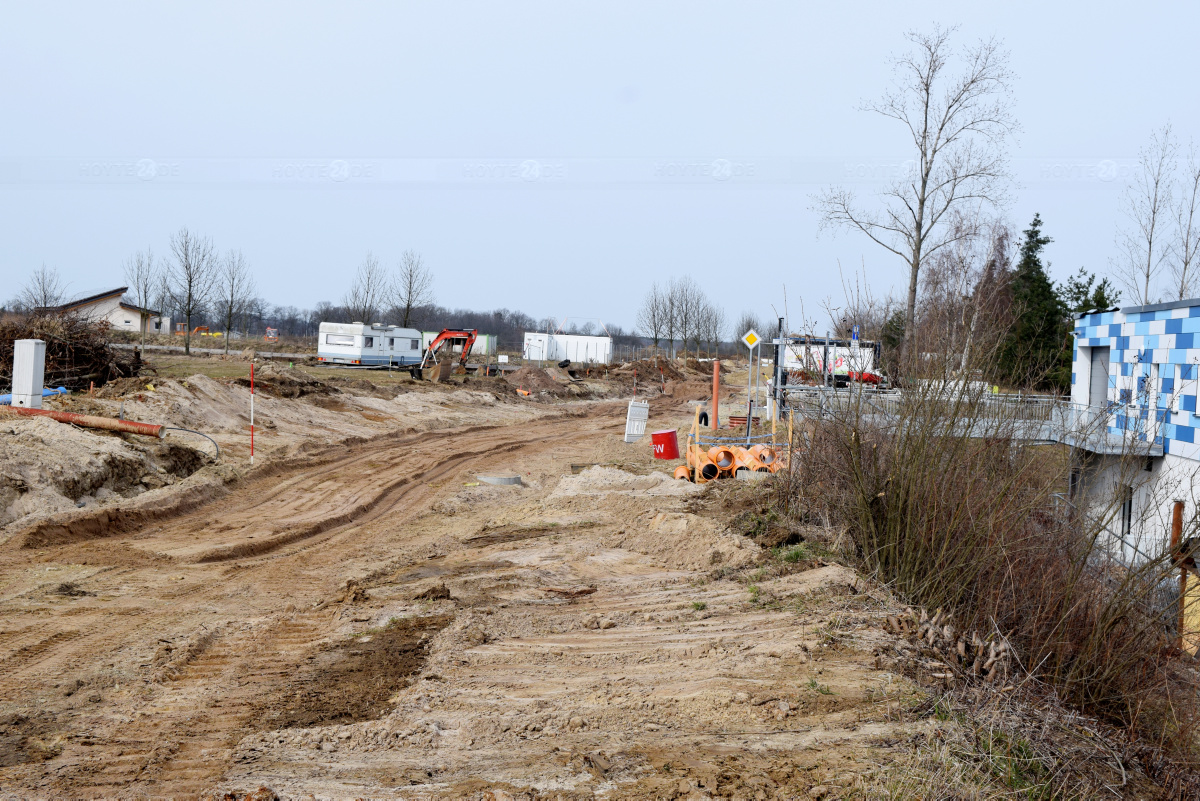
(842, 359)
(574, 347)
(29, 369)
(359, 343)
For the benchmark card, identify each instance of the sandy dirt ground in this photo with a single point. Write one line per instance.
(366, 619)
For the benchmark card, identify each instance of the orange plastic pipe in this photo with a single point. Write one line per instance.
(763, 453)
(716, 392)
(682, 473)
(88, 421)
(722, 457)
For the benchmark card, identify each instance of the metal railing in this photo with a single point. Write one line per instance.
(1038, 416)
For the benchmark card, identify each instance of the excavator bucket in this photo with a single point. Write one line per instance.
(439, 372)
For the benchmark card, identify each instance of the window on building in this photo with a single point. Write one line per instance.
(1073, 483)
(338, 339)
(391, 343)
(368, 342)
(1126, 511)
(157, 325)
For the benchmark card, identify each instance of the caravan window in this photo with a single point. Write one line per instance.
(338, 339)
(391, 342)
(416, 344)
(368, 342)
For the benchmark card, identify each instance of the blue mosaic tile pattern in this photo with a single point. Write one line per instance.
(1153, 361)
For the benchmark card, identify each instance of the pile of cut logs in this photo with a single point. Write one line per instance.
(938, 649)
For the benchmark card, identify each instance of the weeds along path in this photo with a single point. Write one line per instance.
(132, 664)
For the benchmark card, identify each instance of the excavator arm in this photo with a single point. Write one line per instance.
(447, 340)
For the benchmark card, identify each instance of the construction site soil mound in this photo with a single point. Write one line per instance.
(693, 389)
(652, 370)
(704, 367)
(600, 480)
(285, 382)
(48, 467)
(534, 379)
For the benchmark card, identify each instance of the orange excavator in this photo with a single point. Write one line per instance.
(438, 358)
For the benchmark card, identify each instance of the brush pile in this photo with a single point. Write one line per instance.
(78, 351)
(936, 648)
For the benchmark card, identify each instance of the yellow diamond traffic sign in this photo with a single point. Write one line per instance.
(751, 338)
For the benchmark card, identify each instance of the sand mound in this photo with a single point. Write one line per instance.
(285, 382)
(606, 480)
(534, 379)
(687, 541)
(48, 467)
(649, 369)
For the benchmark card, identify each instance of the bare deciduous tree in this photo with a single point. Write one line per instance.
(683, 303)
(368, 292)
(652, 316)
(712, 326)
(234, 291)
(961, 293)
(1142, 243)
(959, 127)
(189, 279)
(1187, 228)
(414, 286)
(43, 290)
(145, 285)
(746, 322)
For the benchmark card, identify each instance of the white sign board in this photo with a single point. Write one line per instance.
(502, 359)
(635, 420)
(751, 338)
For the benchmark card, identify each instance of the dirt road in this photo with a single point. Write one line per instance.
(371, 622)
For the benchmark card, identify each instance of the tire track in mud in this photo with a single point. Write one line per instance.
(176, 736)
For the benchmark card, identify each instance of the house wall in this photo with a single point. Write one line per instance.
(121, 318)
(1153, 383)
(1154, 367)
(1098, 488)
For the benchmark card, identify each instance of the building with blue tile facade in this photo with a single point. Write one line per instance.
(1135, 375)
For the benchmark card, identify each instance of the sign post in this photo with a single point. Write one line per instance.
(750, 339)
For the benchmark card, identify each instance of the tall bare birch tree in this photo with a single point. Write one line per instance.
(958, 125)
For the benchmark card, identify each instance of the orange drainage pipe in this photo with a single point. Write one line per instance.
(722, 458)
(683, 474)
(746, 459)
(88, 421)
(763, 453)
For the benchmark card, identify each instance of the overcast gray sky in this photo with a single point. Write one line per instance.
(548, 157)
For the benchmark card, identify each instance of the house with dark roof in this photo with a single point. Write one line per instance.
(110, 305)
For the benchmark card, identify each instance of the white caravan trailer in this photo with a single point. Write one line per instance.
(573, 347)
(359, 343)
